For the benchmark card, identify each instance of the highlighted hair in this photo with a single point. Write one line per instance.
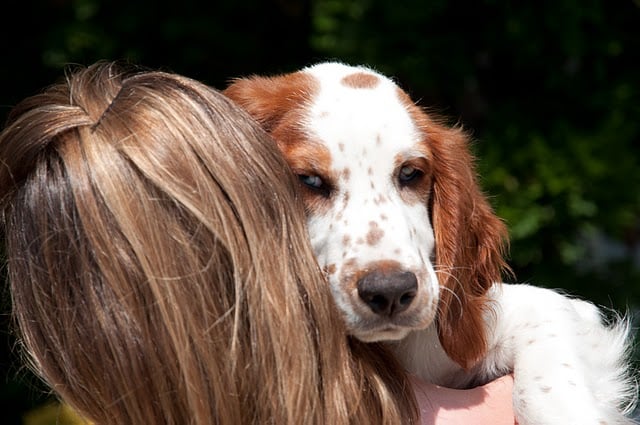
(159, 264)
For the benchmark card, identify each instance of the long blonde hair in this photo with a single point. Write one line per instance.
(159, 264)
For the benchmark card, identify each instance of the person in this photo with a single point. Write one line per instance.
(160, 270)
(489, 404)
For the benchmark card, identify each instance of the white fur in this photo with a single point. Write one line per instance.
(569, 367)
(350, 126)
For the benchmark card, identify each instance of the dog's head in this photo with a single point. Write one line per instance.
(395, 214)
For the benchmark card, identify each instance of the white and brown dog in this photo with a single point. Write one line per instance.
(413, 251)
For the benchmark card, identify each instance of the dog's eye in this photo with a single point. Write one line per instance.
(316, 185)
(314, 182)
(409, 173)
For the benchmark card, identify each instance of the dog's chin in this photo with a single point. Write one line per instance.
(381, 335)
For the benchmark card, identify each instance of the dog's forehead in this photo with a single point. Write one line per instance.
(357, 111)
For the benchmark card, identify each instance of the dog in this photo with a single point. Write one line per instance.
(414, 253)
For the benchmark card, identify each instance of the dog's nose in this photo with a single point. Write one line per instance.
(388, 293)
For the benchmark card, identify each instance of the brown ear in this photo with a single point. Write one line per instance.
(470, 243)
(275, 102)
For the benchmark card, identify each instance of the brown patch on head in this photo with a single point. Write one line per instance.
(360, 80)
(279, 105)
(374, 234)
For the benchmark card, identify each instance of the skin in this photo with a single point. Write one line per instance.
(490, 404)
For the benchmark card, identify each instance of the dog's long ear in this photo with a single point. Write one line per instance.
(275, 102)
(470, 239)
(470, 244)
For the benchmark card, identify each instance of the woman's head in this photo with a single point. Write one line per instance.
(159, 266)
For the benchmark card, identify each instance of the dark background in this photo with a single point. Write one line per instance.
(549, 90)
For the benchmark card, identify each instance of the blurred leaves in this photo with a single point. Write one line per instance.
(549, 91)
(54, 414)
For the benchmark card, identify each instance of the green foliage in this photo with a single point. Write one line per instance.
(549, 91)
(551, 95)
(53, 414)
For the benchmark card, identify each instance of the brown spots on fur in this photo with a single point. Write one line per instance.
(348, 274)
(545, 389)
(461, 216)
(346, 173)
(383, 217)
(331, 269)
(380, 199)
(353, 274)
(345, 203)
(374, 234)
(346, 240)
(360, 80)
(341, 147)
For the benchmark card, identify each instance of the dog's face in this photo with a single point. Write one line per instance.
(366, 182)
(375, 171)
